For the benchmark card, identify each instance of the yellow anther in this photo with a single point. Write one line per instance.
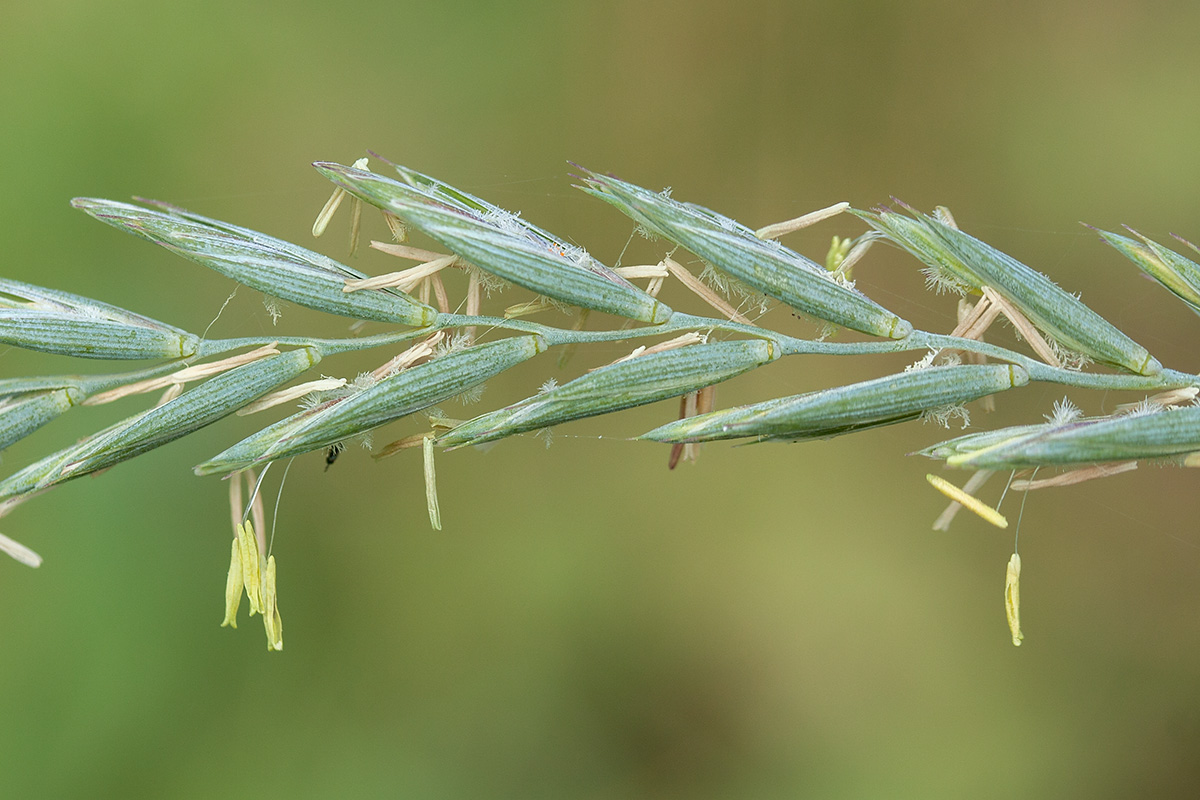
(251, 566)
(968, 501)
(233, 586)
(1012, 598)
(270, 612)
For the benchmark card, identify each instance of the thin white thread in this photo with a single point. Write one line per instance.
(220, 311)
(275, 511)
(254, 494)
(1021, 513)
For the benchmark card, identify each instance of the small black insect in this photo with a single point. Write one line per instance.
(331, 455)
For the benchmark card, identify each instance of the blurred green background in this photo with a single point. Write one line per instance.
(773, 622)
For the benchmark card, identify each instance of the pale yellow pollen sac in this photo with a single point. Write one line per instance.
(186, 375)
(234, 585)
(1024, 327)
(327, 211)
(803, 221)
(973, 484)
(251, 566)
(19, 552)
(683, 340)
(292, 393)
(854, 256)
(331, 206)
(698, 288)
(642, 271)
(404, 280)
(1012, 598)
(418, 352)
(271, 619)
(967, 501)
(406, 252)
(974, 320)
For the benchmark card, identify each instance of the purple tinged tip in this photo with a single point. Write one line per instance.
(158, 203)
(1182, 240)
(385, 160)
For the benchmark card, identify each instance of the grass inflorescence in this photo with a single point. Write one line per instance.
(450, 347)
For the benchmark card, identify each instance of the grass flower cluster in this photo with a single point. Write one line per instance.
(435, 332)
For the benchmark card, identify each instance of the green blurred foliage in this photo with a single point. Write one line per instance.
(772, 622)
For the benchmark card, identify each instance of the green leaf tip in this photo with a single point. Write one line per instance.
(960, 261)
(625, 384)
(23, 413)
(1126, 437)
(499, 241)
(67, 324)
(272, 266)
(212, 400)
(1179, 274)
(403, 393)
(765, 265)
(847, 409)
